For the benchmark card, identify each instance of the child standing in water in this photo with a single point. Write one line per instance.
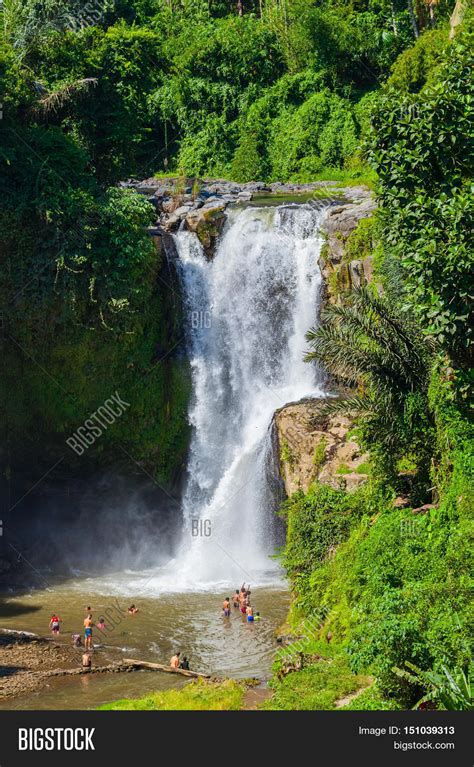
(54, 624)
(250, 614)
(226, 607)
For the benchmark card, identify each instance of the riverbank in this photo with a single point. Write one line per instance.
(28, 661)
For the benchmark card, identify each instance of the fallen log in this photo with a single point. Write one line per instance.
(19, 634)
(127, 664)
(167, 669)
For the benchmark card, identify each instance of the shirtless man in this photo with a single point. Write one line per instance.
(236, 598)
(174, 662)
(243, 602)
(226, 607)
(88, 624)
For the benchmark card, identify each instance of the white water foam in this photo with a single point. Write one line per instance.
(247, 312)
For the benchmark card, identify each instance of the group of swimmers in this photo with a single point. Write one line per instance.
(241, 601)
(55, 625)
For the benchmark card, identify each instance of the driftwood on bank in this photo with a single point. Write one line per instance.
(128, 664)
(166, 669)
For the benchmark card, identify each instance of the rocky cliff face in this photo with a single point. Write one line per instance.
(312, 448)
(199, 206)
(340, 270)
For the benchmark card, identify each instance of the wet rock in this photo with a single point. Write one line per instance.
(182, 211)
(341, 220)
(207, 222)
(255, 186)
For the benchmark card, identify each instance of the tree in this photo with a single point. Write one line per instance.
(367, 343)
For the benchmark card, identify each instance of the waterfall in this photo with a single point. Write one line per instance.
(247, 312)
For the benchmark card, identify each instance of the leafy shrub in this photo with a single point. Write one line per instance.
(415, 66)
(320, 133)
(317, 522)
(422, 152)
(320, 454)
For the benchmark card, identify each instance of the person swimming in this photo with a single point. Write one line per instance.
(101, 624)
(226, 607)
(257, 616)
(184, 664)
(132, 610)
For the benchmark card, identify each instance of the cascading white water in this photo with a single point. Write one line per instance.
(247, 312)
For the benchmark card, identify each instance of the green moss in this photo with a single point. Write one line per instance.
(286, 454)
(320, 454)
(199, 695)
(360, 243)
(64, 382)
(407, 464)
(343, 469)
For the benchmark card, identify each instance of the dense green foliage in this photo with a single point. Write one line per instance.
(393, 583)
(282, 90)
(291, 89)
(422, 151)
(397, 588)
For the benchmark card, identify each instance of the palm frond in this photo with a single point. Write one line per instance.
(348, 406)
(52, 102)
(367, 342)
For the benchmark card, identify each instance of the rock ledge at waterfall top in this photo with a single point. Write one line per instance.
(199, 206)
(314, 448)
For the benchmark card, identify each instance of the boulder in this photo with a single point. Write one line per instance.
(312, 448)
(341, 220)
(207, 223)
(182, 211)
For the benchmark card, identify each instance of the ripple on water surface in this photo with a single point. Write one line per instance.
(190, 622)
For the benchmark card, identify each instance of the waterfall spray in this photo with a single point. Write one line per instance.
(247, 313)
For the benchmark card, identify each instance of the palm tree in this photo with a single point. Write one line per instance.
(26, 24)
(367, 344)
